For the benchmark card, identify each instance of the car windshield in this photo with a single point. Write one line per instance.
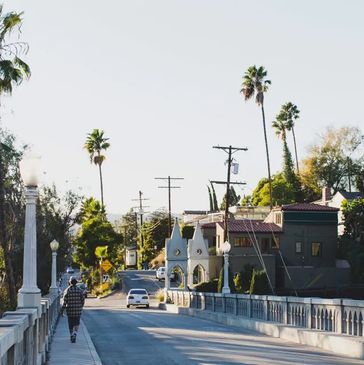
(161, 269)
(138, 291)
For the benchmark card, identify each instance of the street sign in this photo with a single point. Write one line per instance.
(105, 278)
(106, 265)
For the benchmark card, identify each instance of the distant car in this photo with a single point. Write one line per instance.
(70, 270)
(160, 274)
(83, 287)
(137, 297)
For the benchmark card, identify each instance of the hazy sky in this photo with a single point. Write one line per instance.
(162, 79)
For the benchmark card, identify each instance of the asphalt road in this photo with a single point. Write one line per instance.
(139, 279)
(154, 337)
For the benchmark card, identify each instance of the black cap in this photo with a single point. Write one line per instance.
(73, 280)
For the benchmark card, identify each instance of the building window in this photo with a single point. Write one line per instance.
(299, 248)
(264, 244)
(316, 249)
(242, 242)
(275, 242)
(218, 241)
(278, 218)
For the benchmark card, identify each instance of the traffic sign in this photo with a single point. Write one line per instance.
(106, 265)
(105, 278)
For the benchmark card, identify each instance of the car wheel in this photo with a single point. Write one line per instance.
(147, 306)
(128, 306)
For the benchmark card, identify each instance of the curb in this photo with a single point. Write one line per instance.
(90, 344)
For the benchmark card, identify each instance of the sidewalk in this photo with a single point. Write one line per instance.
(64, 352)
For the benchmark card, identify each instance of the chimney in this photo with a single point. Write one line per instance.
(326, 195)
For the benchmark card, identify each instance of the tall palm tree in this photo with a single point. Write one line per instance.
(95, 144)
(288, 114)
(255, 83)
(13, 70)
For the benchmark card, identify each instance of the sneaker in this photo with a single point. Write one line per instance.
(73, 338)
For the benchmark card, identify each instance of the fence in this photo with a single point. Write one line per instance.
(341, 316)
(25, 334)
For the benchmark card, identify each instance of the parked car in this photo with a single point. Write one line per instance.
(137, 297)
(160, 274)
(83, 287)
(70, 270)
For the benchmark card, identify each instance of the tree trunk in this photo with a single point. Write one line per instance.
(295, 150)
(3, 237)
(101, 185)
(268, 163)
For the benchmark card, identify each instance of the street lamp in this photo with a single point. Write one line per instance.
(226, 249)
(54, 247)
(29, 294)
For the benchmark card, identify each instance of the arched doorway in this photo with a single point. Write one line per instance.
(198, 274)
(177, 277)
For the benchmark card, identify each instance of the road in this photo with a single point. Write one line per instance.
(154, 337)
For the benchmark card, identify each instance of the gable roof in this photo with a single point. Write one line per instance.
(247, 225)
(351, 195)
(308, 207)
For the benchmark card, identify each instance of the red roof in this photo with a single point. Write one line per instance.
(247, 225)
(308, 207)
(208, 225)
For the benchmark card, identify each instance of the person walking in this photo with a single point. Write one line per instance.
(73, 301)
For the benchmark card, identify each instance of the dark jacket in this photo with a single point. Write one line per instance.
(73, 301)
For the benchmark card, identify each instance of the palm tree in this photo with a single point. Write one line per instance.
(95, 143)
(288, 114)
(13, 70)
(255, 83)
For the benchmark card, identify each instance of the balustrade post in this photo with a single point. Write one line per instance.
(203, 302)
(236, 305)
(213, 302)
(249, 307)
(285, 311)
(223, 303)
(339, 318)
(308, 307)
(265, 307)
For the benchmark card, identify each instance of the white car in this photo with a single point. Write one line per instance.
(160, 274)
(70, 270)
(137, 297)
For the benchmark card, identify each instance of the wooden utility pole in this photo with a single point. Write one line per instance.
(230, 151)
(169, 187)
(141, 213)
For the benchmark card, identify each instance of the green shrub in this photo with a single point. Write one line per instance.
(160, 295)
(259, 283)
(238, 281)
(207, 286)
(247, 274)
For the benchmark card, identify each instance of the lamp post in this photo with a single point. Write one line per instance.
(54, 247)
(226, 249)
(29, 294)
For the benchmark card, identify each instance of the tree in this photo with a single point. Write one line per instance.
(354, 219)
(155, 232)
(95, 144)
(13, 70)
(214, 198)
(280, 126)
(335, 160)
(56, 218)
(210, 199)
(283, 192)
(255, 83)
(259, 284)
(95, 231)
(288, 114)
(234, 199)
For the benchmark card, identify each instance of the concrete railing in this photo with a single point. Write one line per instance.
(25, 334)
(341, 316)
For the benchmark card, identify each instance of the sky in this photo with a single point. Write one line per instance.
(162, 79)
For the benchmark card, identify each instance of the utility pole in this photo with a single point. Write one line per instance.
(230, 151)
(169, 187)
(141, 213)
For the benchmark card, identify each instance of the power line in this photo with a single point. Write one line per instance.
(169, 187)
(230, 151)
(141, 213)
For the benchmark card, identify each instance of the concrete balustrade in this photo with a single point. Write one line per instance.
(26, 333)
(341, 316)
